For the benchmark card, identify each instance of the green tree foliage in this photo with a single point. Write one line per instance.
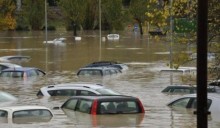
(74, 11)
(34, 11)
(7, 16)
(138, 8)
(214, 36)
(92, 15)
(160, 12)
(112, 15)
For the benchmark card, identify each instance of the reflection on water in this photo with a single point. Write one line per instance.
(141, 79)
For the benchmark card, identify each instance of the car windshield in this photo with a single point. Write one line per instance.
(105, 91)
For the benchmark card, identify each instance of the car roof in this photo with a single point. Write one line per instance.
(105, 62)
(26, 107)
(104, 97)
(180, 86)
(99, 68)
(74, 85)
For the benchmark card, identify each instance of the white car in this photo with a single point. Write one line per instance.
(73, 89)
(16, 58)
(190, 102)
(25, 114)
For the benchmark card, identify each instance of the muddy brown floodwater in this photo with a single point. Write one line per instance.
(61, 62)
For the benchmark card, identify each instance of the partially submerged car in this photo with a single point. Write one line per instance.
(75, 89)
(22, 72)
(121, 66)
(98, 71)
(104, 105)
(183, 70)
(215, 84)
(16, 58)
(6, 97)
(25, 114)
(179, 89)
(189, 101)
(8, 65)
(184, 89)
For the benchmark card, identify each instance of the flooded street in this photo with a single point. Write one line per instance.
(61, 63)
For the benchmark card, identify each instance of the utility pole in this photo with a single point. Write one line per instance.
(202, 44)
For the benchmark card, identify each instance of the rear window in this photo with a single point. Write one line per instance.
(3, 116)
(119, 107)
(31, 113)
(90, 73)
(35, 115)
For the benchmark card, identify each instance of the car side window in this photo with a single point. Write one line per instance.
(113, 71)
(17, 74)
(84, 106)
(64, 92)
(194, 103)
(32, 73)
(71, 104)
(86, 93)
(107, 72)
(181, 90)
(181, 102)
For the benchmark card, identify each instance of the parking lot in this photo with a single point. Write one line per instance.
(141, 80)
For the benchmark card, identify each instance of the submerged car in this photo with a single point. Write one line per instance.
(104, 105)
(182, 70)
(98, 71)
(16, 58)
(215, 84)
(74, 89)
(8, 65)
(6, 97)
(25, 114)
(22, 72)
(189, 101)
(108, 63)
(183, 89)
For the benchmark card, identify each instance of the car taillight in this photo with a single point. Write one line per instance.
(141, 106)
(94, 107)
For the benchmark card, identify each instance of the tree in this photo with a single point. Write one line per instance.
(138, 8)
(112, 14)
(74, 11)
(34, 11)
(160, 12)
(7, 16)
